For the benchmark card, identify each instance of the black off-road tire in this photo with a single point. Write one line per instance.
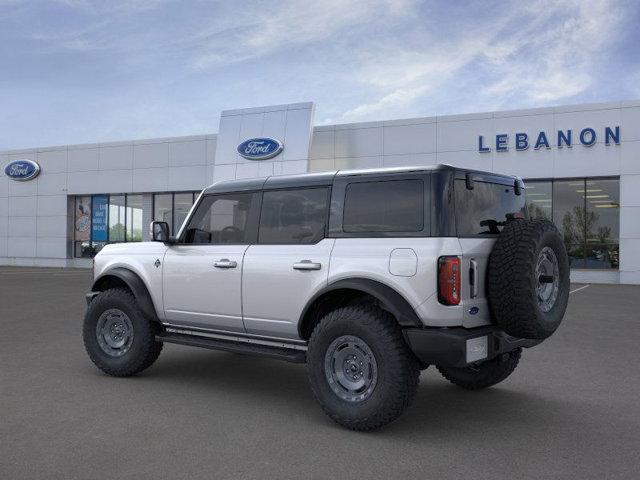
(398, 371)
(484, 375)
(513, 281)
(144, 349)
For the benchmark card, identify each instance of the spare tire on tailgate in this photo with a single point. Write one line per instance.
(528, 279)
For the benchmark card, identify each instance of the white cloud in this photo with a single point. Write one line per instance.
(544, 52)
(555, 63)
(398, 98)
(288, 24)
(160, 67)
(404, 77)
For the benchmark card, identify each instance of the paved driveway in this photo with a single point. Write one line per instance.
(571, 409)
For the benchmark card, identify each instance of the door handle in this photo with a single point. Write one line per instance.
(307, 265)
(225, 263)
(473, 278)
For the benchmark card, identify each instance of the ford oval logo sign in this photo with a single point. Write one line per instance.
(260, 148)
(22, 170)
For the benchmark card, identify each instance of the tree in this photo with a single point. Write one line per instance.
(116, 233)
(535, 212)
(577, 225)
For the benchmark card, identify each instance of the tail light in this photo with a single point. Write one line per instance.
(449, 280)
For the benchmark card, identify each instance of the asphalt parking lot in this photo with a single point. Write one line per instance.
(571, 409)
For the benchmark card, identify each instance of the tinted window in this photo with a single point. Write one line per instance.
(220, 219)
(293, 216)
(483, 210)
(389, 206)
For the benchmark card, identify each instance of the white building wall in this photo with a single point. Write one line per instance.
(290, 124)
(36, 217)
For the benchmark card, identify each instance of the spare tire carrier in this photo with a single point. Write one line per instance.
(547, 273)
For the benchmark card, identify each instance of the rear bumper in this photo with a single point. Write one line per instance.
(460, 347)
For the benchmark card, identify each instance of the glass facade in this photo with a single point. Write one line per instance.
(587, 213)
(134, 218)
(539, 199)
(182, 203)
(102, 219)
(163, 208)
(173, 208)
(117, 219)
(82, 227)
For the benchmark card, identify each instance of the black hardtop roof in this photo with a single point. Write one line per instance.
(327, 178)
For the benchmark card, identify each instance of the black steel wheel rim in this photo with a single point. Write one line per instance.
(351, 368)
(114, 332)
(547, 279)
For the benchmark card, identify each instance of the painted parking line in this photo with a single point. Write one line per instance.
(580, 288)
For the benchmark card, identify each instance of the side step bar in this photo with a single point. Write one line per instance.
(287, 354)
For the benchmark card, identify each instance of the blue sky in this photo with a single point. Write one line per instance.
(77, 71)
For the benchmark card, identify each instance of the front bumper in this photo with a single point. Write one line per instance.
(461, 347)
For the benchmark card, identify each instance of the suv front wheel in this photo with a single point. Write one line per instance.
(361, 370)
(119, 339)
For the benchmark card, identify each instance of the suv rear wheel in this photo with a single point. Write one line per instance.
(119, 339)
(486, 374)
(361, 370)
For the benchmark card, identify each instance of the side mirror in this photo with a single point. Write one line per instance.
(160, 231)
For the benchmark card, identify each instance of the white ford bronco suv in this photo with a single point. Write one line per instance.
(366, 276)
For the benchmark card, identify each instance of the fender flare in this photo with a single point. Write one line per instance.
(389, 298)
(135, 284)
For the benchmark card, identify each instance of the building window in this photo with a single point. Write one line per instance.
(163, 208)
(117, 218)
(182, 203)
(173, 208)
(82, 227)
(134, 218)
(603, 223)
(587, 213)
(102, 219)
(539, 199)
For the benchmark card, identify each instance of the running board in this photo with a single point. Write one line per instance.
(287, 354)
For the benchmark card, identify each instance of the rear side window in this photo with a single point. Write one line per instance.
(293, 216)
(385, 206)
(483, 210)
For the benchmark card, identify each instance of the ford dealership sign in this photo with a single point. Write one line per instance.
(260, 148)
(22, 170)
(564, 138)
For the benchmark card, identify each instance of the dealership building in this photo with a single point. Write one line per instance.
(581, 165)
